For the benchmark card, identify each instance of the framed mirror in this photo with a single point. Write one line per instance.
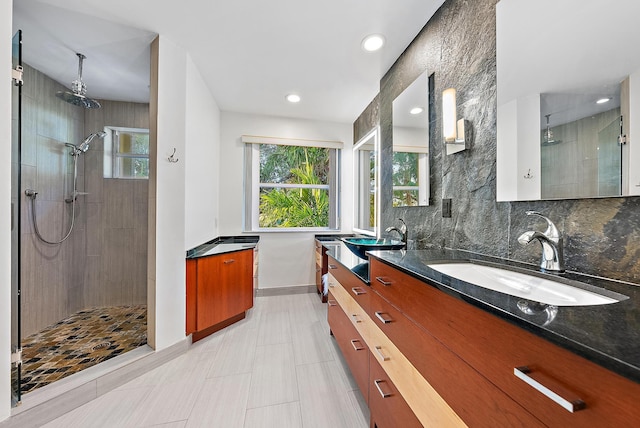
(365, 167)
(568, 99)
(411, 144)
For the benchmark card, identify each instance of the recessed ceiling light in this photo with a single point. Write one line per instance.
(373, 42)
(603, 100)
(293, 98)
(416, 110)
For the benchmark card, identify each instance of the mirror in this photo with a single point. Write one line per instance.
(411, 144)
(555, 60)
(365, 167)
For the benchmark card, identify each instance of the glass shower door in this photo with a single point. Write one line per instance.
(16, 158)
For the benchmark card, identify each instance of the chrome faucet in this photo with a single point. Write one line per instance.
(552, 257)
(402, 230)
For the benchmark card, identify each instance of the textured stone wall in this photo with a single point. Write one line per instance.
(458, 45)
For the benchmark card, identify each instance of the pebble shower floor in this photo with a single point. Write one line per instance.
(82, 340)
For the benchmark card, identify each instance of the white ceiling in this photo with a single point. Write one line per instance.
(251, 53)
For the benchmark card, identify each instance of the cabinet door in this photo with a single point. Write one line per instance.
(235, 285)
(388, 408)
(351, 344)
(207, 279)
(192, 308)
(224, 287)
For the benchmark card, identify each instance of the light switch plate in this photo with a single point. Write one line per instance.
(446, 208)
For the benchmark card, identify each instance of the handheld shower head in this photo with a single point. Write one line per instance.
(84, 146)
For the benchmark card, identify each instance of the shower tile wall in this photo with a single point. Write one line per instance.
(105, 266)
(116, 271)
(47, 271)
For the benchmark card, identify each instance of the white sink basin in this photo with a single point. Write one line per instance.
(528, 287)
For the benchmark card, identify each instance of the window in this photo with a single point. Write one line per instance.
(126, 153)
(365, 168)
(291, 184)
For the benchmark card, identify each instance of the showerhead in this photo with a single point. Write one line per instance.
(84, 146)
(78, 97)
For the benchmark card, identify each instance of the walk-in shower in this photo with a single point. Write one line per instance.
(79, 245)
(75, 153)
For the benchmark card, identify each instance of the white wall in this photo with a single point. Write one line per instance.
(286, 258)
(202, 158)
(167, 200)
(185, 197)
(5, 210)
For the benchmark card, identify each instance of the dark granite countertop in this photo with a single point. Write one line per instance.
(223, 244)
(608, 335)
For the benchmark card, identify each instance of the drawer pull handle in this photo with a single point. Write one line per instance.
(226, 262)
(318, 270)
(353, 343)
(333, 267)
(355, 318)
(377, 382)
(383, 319)
(381, 280)
(379, 352)
(332, 303)
(571, 405)
(358, 291)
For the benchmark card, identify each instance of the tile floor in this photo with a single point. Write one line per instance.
(279, 367)
(82, 340)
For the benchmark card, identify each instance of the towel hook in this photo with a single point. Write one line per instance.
(173, 158)
(528, 176)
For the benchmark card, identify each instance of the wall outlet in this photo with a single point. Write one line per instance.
(446, 208)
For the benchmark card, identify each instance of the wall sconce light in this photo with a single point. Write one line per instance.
(455, 131)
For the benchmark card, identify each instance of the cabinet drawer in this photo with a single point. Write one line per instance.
(319, 258)
(496, 348)
(388, 408)
(353, 347)
(341, 276)
(479, 403)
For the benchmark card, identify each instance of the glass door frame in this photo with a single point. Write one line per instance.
(16, 145)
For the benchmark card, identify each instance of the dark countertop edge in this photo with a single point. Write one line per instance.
(598, 357)
(329, 237)
(200, 251)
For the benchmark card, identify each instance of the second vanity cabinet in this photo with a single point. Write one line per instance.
(219, 290)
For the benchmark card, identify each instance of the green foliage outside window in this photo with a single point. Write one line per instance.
(292, 206)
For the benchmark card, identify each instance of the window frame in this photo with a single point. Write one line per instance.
(111, 155)
(252, 184)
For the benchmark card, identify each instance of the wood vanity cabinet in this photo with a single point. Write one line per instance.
(219, 290)
(496, 349)
(353, 347)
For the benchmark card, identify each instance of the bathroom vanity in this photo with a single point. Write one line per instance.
(221, 276)
(430, 350)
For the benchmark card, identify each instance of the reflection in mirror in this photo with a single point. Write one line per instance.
(411, 144)
(579, 151)
(365, 167)
(557, 72)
